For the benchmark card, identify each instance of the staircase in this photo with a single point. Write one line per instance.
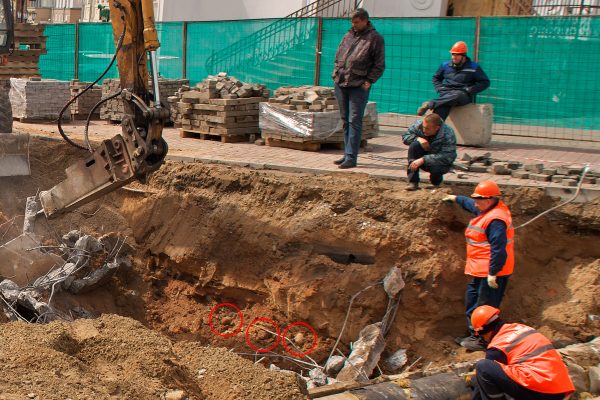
(278, 37)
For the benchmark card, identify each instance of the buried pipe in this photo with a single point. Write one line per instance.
(446, 386)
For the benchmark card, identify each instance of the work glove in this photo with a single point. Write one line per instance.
(449, 199)
(492, 281)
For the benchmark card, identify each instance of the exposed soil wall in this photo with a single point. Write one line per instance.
(297, 247)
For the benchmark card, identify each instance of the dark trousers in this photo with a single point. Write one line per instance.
(447, 99)
(478, 293)
(494, 384)
(436, 172)
(352, 102)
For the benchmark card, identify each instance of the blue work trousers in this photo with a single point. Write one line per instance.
(494, 384)
(478, 293)
(352, 102)
(448, 99)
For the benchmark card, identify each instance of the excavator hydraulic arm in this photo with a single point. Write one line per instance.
(140, 148)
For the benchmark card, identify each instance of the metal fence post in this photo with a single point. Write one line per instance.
(184, 51)
(319, 49)
(477, 38)
(76, 60)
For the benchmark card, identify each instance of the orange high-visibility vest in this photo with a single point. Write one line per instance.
(532, 360)
(478, 248)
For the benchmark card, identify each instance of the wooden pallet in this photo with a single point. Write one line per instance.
(222, 137)
(278, 139)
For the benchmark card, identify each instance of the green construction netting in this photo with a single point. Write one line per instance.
(544, 71)
(286, 57)
(59, 61)
(96, 49)
(414, 48)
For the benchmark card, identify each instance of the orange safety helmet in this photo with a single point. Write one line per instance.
(482, 316)
(459, 48)
(486, 189)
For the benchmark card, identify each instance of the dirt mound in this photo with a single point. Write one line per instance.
(288, 248)
(116, 357)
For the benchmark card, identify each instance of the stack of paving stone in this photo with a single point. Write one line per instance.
(305, 98)
(113, 109)
(566, 175)
(81, 107)
(220, 107)
(39, 100)
(307, 117)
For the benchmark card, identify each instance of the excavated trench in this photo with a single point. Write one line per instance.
(291, 250)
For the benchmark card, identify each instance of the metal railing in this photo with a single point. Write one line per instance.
(278, 37)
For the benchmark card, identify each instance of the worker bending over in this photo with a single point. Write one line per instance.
(520, 362)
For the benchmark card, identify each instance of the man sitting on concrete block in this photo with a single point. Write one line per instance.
(456, 82)
(432, 148)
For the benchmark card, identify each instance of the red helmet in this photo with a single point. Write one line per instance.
(482, 316)
(486, 189)
(459, 48)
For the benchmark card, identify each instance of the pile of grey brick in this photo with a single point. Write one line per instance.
(39, 100)
(305, 98)
(219, 105)
(82, 106)
(113, 109)
(566, 175)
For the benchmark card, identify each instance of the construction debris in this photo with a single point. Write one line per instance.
(565, 175)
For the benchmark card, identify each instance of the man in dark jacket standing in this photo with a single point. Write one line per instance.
(359, 62)
(456, 82)
(431, 147)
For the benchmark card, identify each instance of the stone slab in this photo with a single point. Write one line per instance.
(472, 124)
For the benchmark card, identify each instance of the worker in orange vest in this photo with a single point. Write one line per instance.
(520, 362)
(490, 252)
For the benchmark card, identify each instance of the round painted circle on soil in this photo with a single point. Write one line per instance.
(307, 352)
(215, 308)
(248, 333)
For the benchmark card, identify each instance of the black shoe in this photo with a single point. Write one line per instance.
(411, 186)
(432, 187)
(347, 164)
(423, 109)
(473, 343)
(340, 161)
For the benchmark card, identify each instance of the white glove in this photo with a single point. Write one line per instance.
(492, 281)
(449, 199)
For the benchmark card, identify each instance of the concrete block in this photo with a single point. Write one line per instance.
(575, 169)
(558, 178)
(589, 179)
(514, 165)
(569, 182)
(520, 174)
(539, 177)
(472, 124)
(535, 168)
(500, 168)
(549, 171)
(478, 168)
(466, 157)
(562, 170)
